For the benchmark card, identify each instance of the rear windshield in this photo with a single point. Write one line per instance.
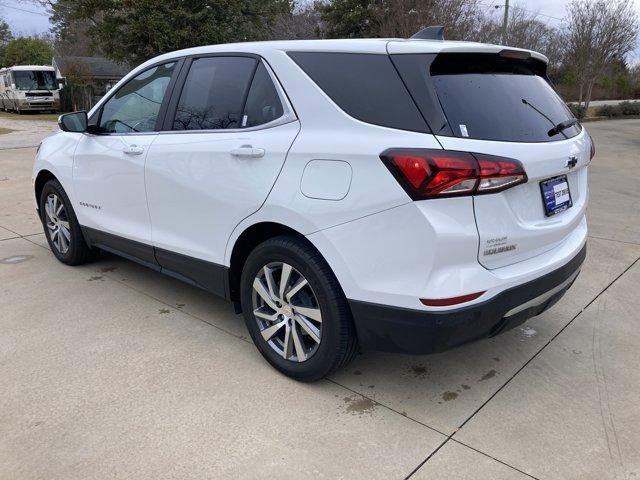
(489, 97)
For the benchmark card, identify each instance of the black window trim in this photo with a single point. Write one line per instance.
(94, 119)
(288, 115)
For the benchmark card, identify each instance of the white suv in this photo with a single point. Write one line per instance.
(398, 195)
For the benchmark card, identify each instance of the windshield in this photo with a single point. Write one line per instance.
(34, 80)
(490, 97)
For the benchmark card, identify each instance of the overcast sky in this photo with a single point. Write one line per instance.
(26, 17)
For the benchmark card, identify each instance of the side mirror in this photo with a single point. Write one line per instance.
(73, 122)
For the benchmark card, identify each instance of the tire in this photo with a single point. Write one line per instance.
(77, 251)
(338, 342)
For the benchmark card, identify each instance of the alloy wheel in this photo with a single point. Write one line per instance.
(287, 311)
(57, 222)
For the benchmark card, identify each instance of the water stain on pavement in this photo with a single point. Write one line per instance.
(419, 370)
(95, 278)
(164, 311)
(357, 405)
(357, 372)
(447, 396)
(465, 387)
(488, 375)
(108, 269)
(15, 259)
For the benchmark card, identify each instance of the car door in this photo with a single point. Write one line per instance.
(228, 131)
(108, 167)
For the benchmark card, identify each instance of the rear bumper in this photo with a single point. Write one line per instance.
(395, 329)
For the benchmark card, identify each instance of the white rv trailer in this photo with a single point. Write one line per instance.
(29, 88)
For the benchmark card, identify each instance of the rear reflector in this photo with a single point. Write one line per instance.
(446, 302)
(442, 173)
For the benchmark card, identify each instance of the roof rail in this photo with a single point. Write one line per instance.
(430, 33)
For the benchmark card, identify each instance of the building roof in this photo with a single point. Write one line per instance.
(30, 67)
(96, 67)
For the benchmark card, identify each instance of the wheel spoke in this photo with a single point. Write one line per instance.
(284, 279)
(63, 241)
(59, 240)
(297, 343)
(267, 316)
(64, 224)
(47, 209)
(65, 232)
(261, 290)
(269, 332)
(287, 349)
(54, 205)
(59, 209)
(50, 204)
(268, 276)
(312, 313)
(308, 327)
(296, 288)
(54, 234)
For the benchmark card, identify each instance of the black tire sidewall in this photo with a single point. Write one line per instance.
(295, 253)
(71, 256)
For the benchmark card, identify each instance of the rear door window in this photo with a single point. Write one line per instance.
(365, 86)
(263, 102)
(488, 97)
(214, 93)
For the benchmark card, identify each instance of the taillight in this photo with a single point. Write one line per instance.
(442, 173)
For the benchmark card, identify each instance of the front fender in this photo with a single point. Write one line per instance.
(56, 155)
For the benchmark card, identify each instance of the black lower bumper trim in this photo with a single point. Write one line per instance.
(395, 329)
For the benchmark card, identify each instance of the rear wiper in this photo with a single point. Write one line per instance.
(562, 126)
(557, 128)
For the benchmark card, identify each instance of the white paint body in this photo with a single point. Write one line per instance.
(321, 175)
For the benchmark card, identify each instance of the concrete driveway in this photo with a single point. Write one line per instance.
(111, 370)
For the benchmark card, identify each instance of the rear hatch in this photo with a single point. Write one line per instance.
(501, 103)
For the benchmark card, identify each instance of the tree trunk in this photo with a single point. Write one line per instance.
(587, 99)
(581, 89)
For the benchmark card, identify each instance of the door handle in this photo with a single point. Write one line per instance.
(247, 151)
(133, 150)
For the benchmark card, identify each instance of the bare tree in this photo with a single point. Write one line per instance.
(598, 32)
(301, 24)
(403, 18)
(525, 30)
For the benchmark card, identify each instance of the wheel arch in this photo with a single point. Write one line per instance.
(42, 178)
(247, 241)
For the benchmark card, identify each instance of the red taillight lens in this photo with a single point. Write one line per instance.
(442, 173)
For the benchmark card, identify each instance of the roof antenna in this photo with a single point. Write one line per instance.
(430, 33)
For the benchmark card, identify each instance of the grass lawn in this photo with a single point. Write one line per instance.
(5, 130)
(53, 117)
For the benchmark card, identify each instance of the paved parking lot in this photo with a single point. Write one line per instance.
(111, 370)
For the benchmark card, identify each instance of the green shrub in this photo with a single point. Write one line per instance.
(610, 111)
(630, 108)
(577, 110)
